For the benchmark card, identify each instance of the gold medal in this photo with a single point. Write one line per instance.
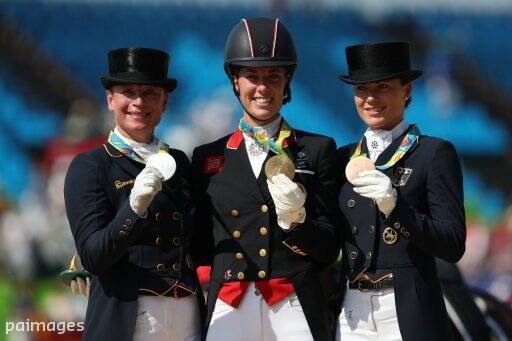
(389, 236)
(279, 164)
(356, 165)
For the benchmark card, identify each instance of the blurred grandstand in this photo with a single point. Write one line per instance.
(52, 106)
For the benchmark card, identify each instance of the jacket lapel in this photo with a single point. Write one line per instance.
(238, 167)
(176, 191)
(262, 180)
(290, 146)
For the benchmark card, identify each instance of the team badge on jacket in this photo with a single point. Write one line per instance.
(401, 176)
(213, 164)
(302, 164)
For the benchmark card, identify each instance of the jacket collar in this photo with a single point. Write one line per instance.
(126, 163)
(111, 150)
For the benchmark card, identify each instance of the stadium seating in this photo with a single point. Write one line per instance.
(195, 39)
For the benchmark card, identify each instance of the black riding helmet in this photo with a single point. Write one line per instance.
(260, 42)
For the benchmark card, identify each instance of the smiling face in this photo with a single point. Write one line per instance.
(381, 105)
(137, 109)
(261, 92)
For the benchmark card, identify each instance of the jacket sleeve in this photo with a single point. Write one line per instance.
(318, 237)
(442, 232)
(201, 248)
(102, 234)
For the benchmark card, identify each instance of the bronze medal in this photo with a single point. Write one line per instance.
(389, 236)
(279, 164)
(356, 165)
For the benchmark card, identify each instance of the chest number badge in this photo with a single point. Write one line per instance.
(389, 236)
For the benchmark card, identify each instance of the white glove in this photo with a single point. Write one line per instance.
(376, 185)
(147, 184)
(81, 287)
(289, 199)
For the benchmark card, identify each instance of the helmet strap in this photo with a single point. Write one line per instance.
(287, 94)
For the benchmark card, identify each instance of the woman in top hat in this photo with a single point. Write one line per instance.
(404, 203)
(129, 208)
(266, 197)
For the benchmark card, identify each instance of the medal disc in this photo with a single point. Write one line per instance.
(279, 164)
(356, 165)
(164, 163)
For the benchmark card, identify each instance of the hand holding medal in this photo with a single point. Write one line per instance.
(163, 162)
(369, 181)
(288, 196)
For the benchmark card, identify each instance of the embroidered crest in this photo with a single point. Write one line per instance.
(301, 161)
(389, 236)
(213, 164)
(122, 183)
(401, 176)
(227, 274)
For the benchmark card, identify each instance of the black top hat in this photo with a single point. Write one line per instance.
(136, 65)
(376, 62)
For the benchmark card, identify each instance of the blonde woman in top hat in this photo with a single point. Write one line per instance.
(404, 203)
(272, 230)
(130, 212)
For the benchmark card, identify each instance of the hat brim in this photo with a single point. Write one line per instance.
(168, 84)
(409, 75)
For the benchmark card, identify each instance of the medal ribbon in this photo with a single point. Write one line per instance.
(261, 137)
(127, 150)
(412, 136)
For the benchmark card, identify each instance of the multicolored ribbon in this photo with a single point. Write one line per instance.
(261, 137)
(412, 136)
(127, 150)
